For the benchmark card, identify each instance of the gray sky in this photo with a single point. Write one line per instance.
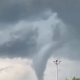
(37, 28)
(15, 10)
(12, 12)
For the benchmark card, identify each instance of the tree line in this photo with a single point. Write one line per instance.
(74, 78)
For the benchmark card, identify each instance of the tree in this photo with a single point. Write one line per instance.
(74, 78)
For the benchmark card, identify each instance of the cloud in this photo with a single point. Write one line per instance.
(35, 40)
(38, 29)
(19, 40)
(18, 69)
(27, 38)
(66, 69)
(13, 11)
(21, 69)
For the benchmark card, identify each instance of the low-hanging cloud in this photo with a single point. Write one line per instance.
(20, 42)
(26, 38)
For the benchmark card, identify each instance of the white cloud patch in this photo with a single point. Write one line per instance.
(16, 69)
(21, 69)
(67, 69)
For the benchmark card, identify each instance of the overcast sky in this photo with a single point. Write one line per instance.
(34, 31)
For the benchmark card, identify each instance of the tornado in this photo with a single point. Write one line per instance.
(40, 60)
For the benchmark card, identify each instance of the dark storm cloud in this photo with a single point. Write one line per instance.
(14, 10)
(25, 42)
(24, 46)
(29, 40)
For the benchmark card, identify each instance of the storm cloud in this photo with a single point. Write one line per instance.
(15, 10)
(39, 29)
(19, 42)
(27, 38)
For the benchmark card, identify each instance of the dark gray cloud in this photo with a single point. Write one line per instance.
(12, 10)
(26, 42)
(25, 45)
(15, 10)
(71, 50)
